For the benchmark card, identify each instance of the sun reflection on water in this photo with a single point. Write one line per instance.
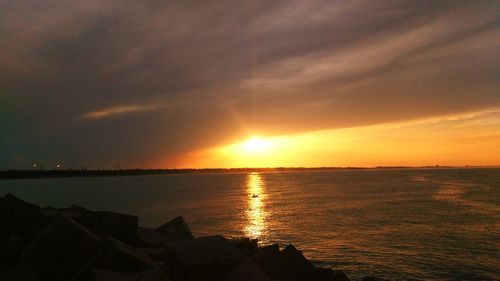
(256, 215)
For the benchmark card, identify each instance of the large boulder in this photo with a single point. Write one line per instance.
(372, 278)
(74, 211)
(246, 245)
(325, 274)
(11, 249)
(19, 218)
(270, 250)
(176, 229)
(121, 226)
(265, 256)
(247, 270)
(204, 259)
(17, 273)
(108, 275)
(62, 251)
(126, 258)
(152, 238)
(153, 275)
(291, 265)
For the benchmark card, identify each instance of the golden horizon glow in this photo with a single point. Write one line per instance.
(256, 144)
(466, 139)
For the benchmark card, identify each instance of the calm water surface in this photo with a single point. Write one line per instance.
(400, 224)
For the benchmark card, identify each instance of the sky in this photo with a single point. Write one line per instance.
(176, 84)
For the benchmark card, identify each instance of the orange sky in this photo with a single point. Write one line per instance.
(465, 139)
(166, 84)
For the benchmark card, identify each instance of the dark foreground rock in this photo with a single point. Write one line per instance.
(247, 270)
(371, 278)
(62, 251)
(76, 244)
(19, 218)
(176, 229)
(123, 227)
(108, 275)
(204, 259)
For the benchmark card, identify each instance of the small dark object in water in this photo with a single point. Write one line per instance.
(255, 196)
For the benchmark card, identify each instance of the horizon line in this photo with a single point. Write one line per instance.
(59, 173)
(249, 168)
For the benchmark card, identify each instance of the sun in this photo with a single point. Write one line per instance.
(256, 144)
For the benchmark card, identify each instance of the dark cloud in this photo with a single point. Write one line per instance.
(159, 78)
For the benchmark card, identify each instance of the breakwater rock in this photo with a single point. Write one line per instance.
(76, 244)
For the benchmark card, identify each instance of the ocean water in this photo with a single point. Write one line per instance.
(408, 224)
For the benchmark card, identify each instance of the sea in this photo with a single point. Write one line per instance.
(400, 224)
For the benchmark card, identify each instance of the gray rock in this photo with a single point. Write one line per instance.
(244, 244)
(270, 250)
(371, 278)
(11, 249)
(265, 256)
(123, 227)
(290, 265)
(324, 274)
(62, 251)
(127, 258)
(19, 218)
(153, 275)
(74, 211)
(176, 229)
(203, 259)
(17, 273)
(247, 270)
(108, 275)
(150, 237)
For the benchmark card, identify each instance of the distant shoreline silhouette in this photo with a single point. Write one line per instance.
(30, 174)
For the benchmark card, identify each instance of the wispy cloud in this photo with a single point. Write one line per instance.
(120, 110)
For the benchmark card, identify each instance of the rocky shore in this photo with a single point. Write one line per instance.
(76, 244)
